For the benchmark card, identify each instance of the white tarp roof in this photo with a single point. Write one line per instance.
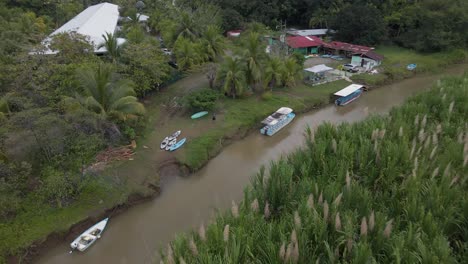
(319, 68)
(349, 90)
(93, 22)
(309, 32)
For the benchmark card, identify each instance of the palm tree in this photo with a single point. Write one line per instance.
(291, 72)
(186, 53)
(253, 54)
(232, 74)
(273, 72)
(213, 42)
(106, 97)
(112, 46)
(187, 26)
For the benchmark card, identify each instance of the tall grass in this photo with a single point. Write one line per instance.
(370, 192)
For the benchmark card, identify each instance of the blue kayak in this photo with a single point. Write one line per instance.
(199, 114)
(411, 66)
(178, 144)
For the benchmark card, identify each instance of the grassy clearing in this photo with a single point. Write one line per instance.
(241, 115)
(390, 189)
(396, 60)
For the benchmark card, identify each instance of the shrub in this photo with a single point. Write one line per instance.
(202, 100)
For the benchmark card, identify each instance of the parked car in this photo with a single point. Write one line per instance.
(350, 68)
(166, 51)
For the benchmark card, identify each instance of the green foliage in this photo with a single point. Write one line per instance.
(112, 46)
(202, 100)
(187, 53)
(360, 24)
(146, 65)
(107, 97)
(232, 76)
(383, 191)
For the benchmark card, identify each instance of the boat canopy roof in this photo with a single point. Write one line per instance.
(273, 119)
(349, 90)
(284, 110)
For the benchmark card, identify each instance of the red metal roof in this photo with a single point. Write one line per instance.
(337, 45)
(371, 54)
(303, 41)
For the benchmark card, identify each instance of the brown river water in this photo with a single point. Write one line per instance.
(185, 202)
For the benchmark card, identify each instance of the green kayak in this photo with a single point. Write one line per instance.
(199, 114)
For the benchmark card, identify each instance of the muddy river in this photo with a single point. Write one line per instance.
(185, 202)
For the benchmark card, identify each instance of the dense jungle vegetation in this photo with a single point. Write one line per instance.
(57, 112)
(390, 189)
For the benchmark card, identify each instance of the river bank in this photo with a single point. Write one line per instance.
(211, 144)
(186, 202)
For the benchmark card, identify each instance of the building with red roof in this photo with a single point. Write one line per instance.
(304, 44)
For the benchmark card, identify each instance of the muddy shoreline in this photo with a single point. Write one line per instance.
(52, 240)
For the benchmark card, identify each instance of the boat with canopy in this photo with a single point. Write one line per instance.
(348, 94)
(277, 121)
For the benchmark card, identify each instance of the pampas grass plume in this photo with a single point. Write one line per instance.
(235, 210)
(338, 199)
(182, 261)
(348, 181)
(320, 199)
(433, 152)
(295, 253)
(372, 221)
(226, 233)
(337, 222)
(451, 107)
(363, 226)
(266, 211)
(254, 206)
(282, 251)
(325, 211)
(388, 229)
(400, 132)
(297, 220)
(289, 250)
(294, 236)
(193, 247)
(310, 201)
(202, 233)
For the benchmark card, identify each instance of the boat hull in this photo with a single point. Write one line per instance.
(273, 129)
(348, 99)
(178, 144)
(92, 234)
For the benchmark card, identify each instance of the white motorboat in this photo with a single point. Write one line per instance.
(277, 121)
(88, 237)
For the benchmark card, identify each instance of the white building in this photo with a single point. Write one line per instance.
(94, 22)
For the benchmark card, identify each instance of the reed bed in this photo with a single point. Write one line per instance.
(369, 192)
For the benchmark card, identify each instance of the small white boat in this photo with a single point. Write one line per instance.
(164, 143)
(88, 237)
(175, 134)
(171, 143)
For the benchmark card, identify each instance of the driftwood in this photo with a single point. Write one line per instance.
(119, 153)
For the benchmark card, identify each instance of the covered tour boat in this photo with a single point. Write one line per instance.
(348, 94)
(277, 121)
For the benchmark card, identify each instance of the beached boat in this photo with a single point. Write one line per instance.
(199, 114)
(164, 143)
(88, 237)
(348, 94)
(178, 144)
(411, 66)
(277, 121)
(171, 143)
